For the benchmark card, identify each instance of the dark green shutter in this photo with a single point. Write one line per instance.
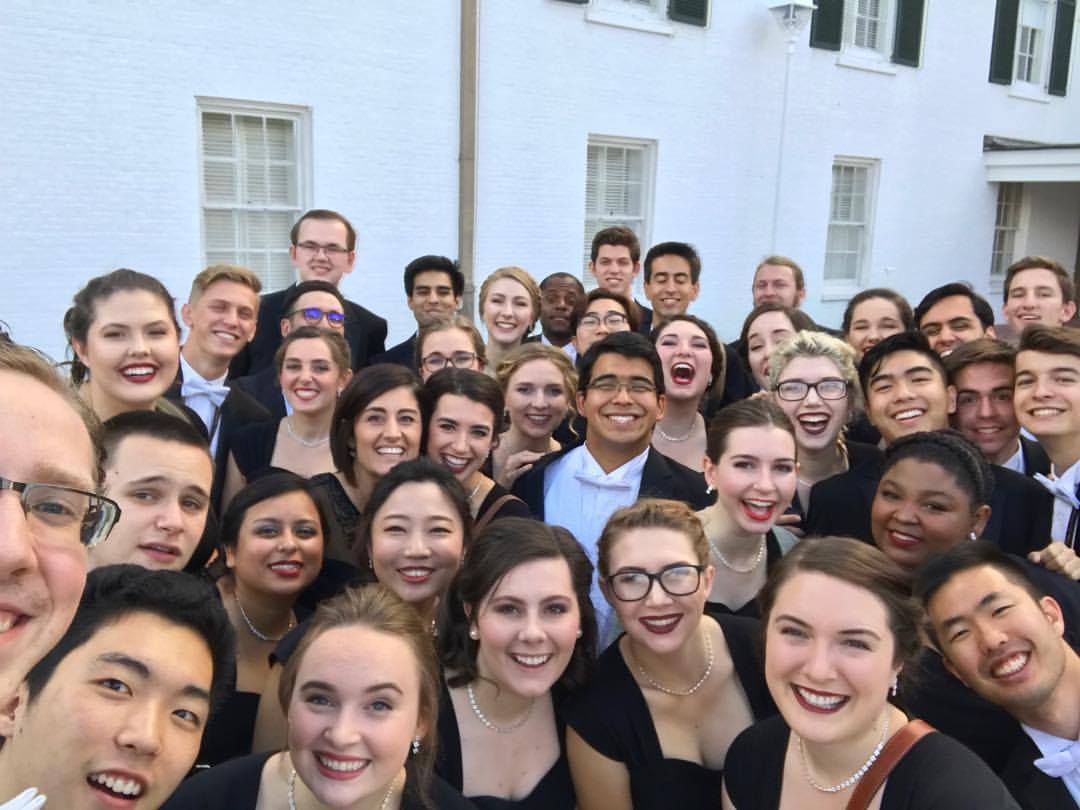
(695, 12)
(1003, 50)
(907, 44)
(827, 25)
(1059, 57)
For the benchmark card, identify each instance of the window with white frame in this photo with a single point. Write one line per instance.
(1006, 226)
(1032, 46)
(618, 189)
(851, 210)
(648, 15)
(254, 168)
(868, 25)
(1031, 28)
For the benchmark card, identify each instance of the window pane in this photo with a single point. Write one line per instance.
(219, 182)
(217, 135)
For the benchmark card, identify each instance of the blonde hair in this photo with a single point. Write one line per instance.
(223, 272)
(807, 343)
(446, 324)
(651, 513)
(530, 352)
(522, 277)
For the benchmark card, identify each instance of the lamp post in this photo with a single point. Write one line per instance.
(792, 17)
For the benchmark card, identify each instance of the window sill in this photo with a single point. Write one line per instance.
(1028, 92)
(623, 20)
(841, 292)
(867, 63)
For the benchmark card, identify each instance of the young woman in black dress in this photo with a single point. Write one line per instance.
(516, 634)
(652, 728)
(840, 627)
(361, 695)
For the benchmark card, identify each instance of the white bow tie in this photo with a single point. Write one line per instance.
(215, 392)
(601, 482)
(1058, 490)
(1062, 763)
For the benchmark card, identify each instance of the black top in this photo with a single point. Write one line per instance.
(253, 447)
(346, 517)
(938, 773)
(403, 354)
(230, 729)
(612, 716)
(751, 610)
(235, 786)
(554, 791)
(514, 507)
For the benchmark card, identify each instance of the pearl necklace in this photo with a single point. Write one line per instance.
(483, 718)
(292, 792)
(677, 439)
(724, 560)
(855, 777)
(303, 441)
(254, 630)
(682, 692)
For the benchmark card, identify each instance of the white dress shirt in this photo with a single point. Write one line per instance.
(569, 348)
(1062, 510)
(202, 405)
(1015, 462)
(1049, 744)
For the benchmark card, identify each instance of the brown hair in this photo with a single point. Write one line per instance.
(903, 308)
(616, 235)
(757, 411)
(522, 277)
(455, 321)
(651, 513)
(784, 261)
(529, 352)
(223, 272)
(324, 214)
(981, 350)
(1065, 282)
(335, 342)
(1050, 340)
(717, 367)
(378, 608)
(800, 321)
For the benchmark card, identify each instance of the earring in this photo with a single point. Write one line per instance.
(709, 490)
(580, 632)
(972, 536)
(893, 688)
(370, 564)
(415, 746)
(474, 634)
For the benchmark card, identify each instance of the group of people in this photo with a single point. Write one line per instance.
(615, 563)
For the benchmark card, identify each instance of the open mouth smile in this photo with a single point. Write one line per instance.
(141, 373)
(683, 373)
(122, 789)
(818, 702)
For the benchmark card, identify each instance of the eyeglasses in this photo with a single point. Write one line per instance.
(828, 388)
(633, 585)
(436, 361)
(331, 251)
(313, 316)
(610, 384)
(66, 512)
(609, 319)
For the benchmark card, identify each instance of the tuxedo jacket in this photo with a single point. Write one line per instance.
(661, 477)
(1035, 458)
(1021, 510)
(1032, 788)
(365, 332)
(403, 354)
(263, 387)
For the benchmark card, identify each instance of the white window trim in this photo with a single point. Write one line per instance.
(839, 289)
(1037, 90)
(620, 14)
(996, 284)
(873, 60)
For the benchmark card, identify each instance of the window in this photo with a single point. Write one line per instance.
(618, 189)
(870, 33)
(1006, 225)
(847, 246)
(646, 15)
(1032, 46)
(869, 24)
(254, 170)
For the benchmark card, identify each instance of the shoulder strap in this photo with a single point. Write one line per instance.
(493, 510)
(894, 751)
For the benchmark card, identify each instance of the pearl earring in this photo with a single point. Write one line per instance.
(416, 746)
(972, 536)
(709, 490)
(580, 632)
(893, 688)
(474, 634)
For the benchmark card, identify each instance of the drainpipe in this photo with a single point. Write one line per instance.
(470, 35)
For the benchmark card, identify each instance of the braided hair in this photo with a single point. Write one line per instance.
(951, 451)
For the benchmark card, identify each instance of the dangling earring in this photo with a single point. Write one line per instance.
(474, 634)
(893, 688)
(709, 490)
(415, 746)
(972, 536)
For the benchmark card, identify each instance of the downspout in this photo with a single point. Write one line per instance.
(470, 34)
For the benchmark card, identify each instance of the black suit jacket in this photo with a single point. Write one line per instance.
(263, 388)
(1032, 788)
(661, 477)
(365, 332)
(645, 320)
(403, 354)
(1035, 458)
(1020, 509)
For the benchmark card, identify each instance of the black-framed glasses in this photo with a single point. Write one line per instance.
(610, 319)
(633, 585)
(65, 511)
(610, 384)
(313, 316)
(437, 362)
(827, 388)
(332, 251)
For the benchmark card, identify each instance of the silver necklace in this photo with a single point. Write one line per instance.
(292, 792)
(254, 630)
(483, 718)
(676, 439)
(855, 777)
(724, 560)
(682, 692)
(303, 441)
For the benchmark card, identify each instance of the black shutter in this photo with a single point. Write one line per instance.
(907, 44)
(579, 2)
(695, 12)
(1003, 50)
(1059, 56)
(827, 25)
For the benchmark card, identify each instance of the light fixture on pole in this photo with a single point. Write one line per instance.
(792, 17)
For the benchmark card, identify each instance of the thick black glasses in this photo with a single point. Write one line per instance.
(632, 585)
(828, 388)
(313, 315)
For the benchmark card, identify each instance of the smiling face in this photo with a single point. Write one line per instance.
(447, 343)
(670, 288)
(687, 360)
(920, 510)
(660, 622)
(536, 398)
(314, 299)
(353, 714)
(872, 321)
(132, 350)
(417, 542)
(907, 394)
(121, 718)
(222, 319)
(1034, 296)
(829, 658)
(310, 257)
(620, 423)
(507, 312)
(984, 409)
(528, 626)
(558, 298)
(309, 378)
(755, 477)
(818, 421)
(601, 317)
(279, 550)
(42, 571)
(432, 297)
(1047, 395)
(163, 489)
(998, 639)
(768, 331)
(387, 432)
(614, 269)
(461, 435)
(950, 322)
(775, 283)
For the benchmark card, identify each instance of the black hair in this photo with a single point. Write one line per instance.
(113, 592)
(561, 276)
(938, 570)
(757, 411)
(473, 385)
(910, 341)
(500, 547)
(153, 424)
(265, 488)
(681, 249)
(716, 368)
(979, 305)
(601, 294)
(903, 308)
(625, 344)
(951, 451)
(292, 295)
(434, 264)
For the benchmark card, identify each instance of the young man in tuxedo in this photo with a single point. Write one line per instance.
(433, 288)
(953, 314)
(1038, 290)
